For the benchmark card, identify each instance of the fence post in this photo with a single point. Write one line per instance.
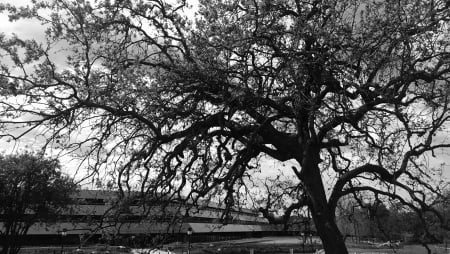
(252, 251)
(291, 251)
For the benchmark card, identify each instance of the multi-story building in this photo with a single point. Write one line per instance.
(94, 217)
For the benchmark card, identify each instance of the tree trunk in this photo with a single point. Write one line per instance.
(9, 244)
(4, 249)
(332, 240)
(323, 216)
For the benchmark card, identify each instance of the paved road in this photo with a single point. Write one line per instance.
(272, 240)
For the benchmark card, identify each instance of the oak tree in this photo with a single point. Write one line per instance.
(186, 100)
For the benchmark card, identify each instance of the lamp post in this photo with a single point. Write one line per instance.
(133, 239)
(303, 241)
(189, 233)
(63, 233)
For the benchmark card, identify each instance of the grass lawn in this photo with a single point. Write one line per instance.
(407, 249)
(265, 245)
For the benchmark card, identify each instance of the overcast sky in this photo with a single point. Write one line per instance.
(33, 30)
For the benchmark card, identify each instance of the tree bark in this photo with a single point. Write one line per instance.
(323, 216)
(332, 240)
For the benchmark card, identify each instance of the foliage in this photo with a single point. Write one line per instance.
(375, 221)
(32, 190)
(355, 93)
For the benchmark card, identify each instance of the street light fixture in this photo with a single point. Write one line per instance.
(303, 241)
(189, 233)
(133, 240)
(63, 233)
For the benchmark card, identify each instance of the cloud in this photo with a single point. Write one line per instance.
(27, 29)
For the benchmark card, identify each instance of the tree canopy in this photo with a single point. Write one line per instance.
(355, 92)
(32, 190)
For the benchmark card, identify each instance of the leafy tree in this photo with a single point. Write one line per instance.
(381, 222)
(32, 190)
(355, 93)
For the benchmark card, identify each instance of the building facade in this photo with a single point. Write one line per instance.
(97, 217)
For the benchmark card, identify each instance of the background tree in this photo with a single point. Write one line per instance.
(373, 221)
(32, 190)
(355, 93)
